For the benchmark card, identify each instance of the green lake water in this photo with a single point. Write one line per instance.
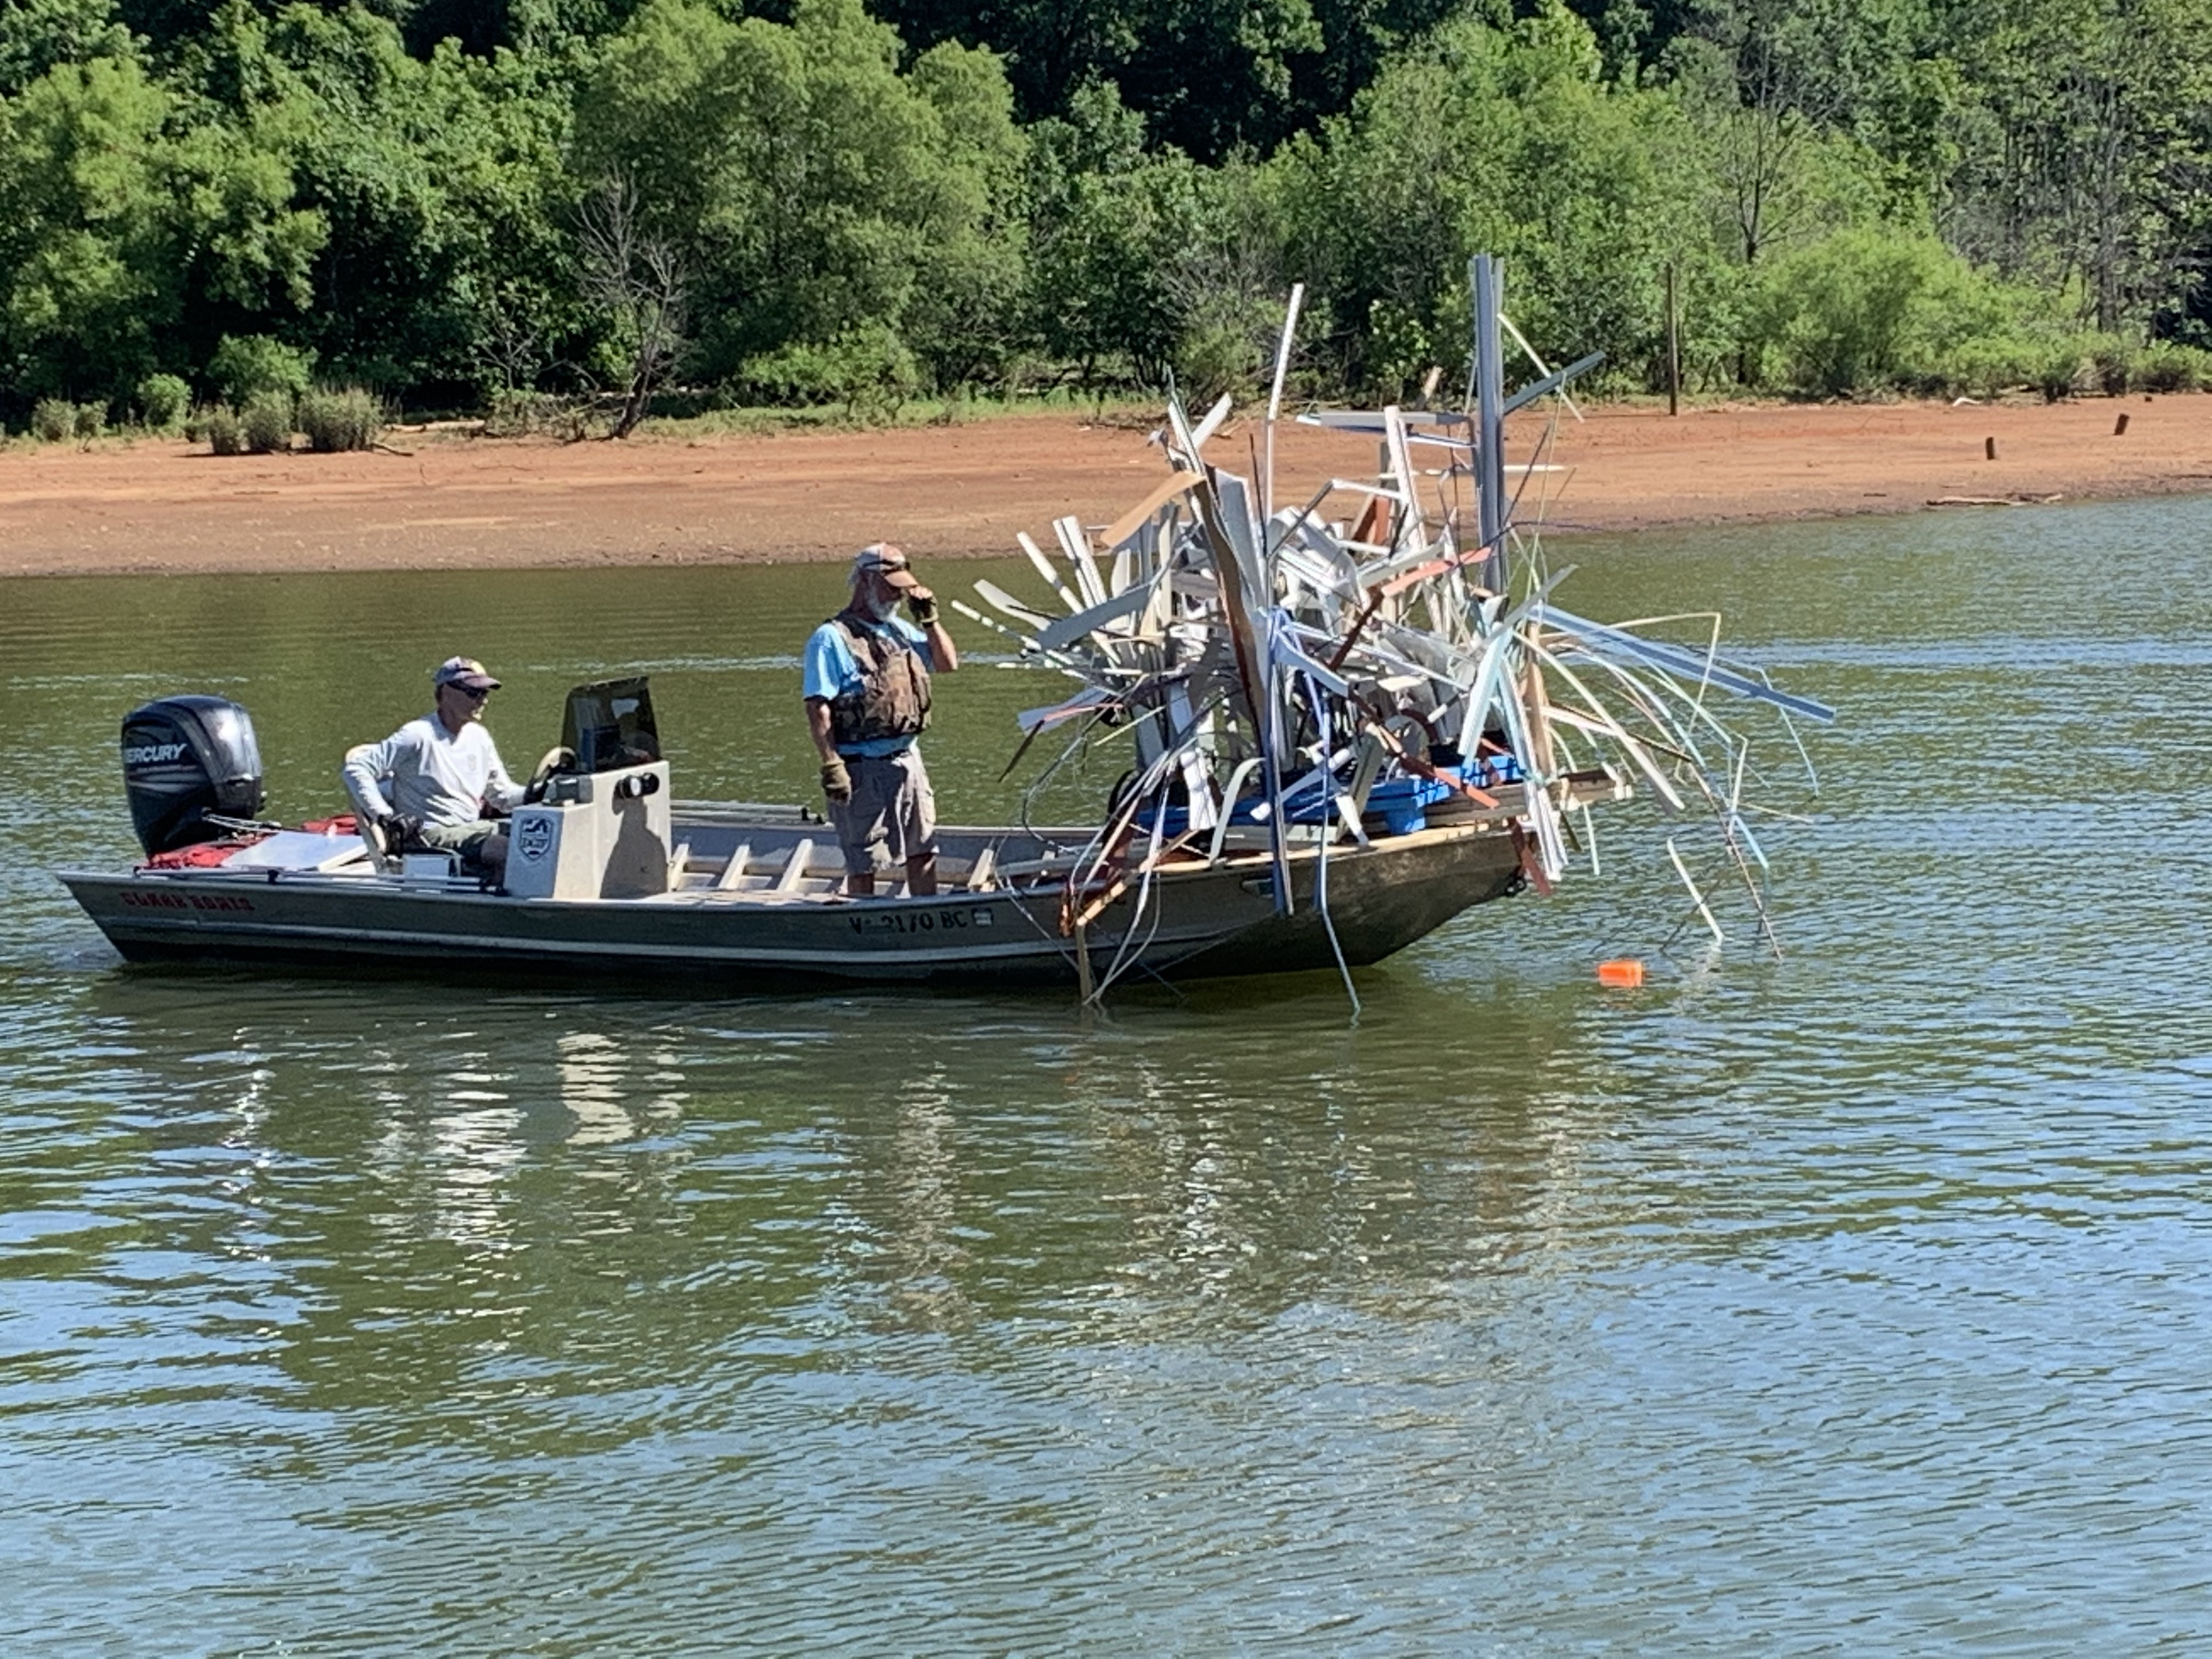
(1858, 1303)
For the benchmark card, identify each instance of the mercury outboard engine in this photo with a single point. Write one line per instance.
(184, 758)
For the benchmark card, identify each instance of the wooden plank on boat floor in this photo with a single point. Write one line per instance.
(794, 868)
(734, 870)
(983, 874)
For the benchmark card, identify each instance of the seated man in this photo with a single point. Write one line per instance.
(442, 770)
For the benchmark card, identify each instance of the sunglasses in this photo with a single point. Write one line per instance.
(471, 693)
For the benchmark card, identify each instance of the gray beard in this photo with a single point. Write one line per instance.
(879, 610)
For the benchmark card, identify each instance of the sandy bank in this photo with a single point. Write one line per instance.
(163, 507)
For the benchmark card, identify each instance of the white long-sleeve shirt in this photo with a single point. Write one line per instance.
(440, 777)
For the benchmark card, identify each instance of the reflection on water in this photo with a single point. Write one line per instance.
(1849, 1302)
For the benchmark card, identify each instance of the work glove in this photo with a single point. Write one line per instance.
(922, 605)
(399, 828)
(836, 781)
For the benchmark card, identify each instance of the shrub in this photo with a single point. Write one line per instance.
(226, 432)
(1872, 307)
(162, 399)
(1213, 359)
(340, 420)
(241, 369)
(54, 421)
(2113, 361)
(518, 413)
(2066, 365)
(1988, 365)
(868, 369)
(91, 419)
(2166, 366)
(1397, 349)
(267, 421)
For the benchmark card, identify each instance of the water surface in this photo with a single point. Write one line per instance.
(1854, 1302)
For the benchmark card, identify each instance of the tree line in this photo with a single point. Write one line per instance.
(454, 203)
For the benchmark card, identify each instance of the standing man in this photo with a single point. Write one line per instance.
(443, 770)
(867, 700)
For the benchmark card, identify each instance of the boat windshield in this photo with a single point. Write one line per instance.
(609, 724)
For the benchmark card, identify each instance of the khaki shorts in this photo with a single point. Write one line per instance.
(466, 839)
(892, 815)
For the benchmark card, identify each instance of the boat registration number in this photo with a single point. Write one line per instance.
(921, 921)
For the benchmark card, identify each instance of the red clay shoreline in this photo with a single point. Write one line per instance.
(161, 507)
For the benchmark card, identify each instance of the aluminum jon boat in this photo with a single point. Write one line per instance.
(756, 900)
(607, 878)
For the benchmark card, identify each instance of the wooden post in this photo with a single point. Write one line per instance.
(1989, 449)
(2120, 425)
(1674, 348)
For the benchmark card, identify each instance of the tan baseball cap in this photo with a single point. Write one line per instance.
(882, 559)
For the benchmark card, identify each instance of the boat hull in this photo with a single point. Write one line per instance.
(1198, 920)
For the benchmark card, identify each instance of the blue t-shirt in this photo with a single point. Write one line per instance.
(832, 671)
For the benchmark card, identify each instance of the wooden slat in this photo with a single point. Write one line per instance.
(1076, 543)
(1140, 515)
(1068, 629)
(1012, 606)
(734, 870)
(794, 868)
(1211, 424)
(1044, 569)
(982, 875)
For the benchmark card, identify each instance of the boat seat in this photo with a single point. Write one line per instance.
(380, 857)
(431, 868)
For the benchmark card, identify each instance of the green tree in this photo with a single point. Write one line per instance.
(966, 318)
(1872, 308)
(812, 186)
(442, 183)
(1109, 220)
(2085, 157)
(123, 218)
(1510, 140)
(1209, 78)
(37, 34)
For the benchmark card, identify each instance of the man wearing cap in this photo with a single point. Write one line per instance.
(867, 699)
(442, 770)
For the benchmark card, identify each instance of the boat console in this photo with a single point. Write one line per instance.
(595, 835)
(597, 825)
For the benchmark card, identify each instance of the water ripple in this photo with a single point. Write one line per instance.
(1847, 1303)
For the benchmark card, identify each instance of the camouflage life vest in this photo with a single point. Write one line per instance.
(892, 699)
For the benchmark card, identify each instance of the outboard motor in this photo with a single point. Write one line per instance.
(184, 758)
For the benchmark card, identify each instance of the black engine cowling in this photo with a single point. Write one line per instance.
(184, 758)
